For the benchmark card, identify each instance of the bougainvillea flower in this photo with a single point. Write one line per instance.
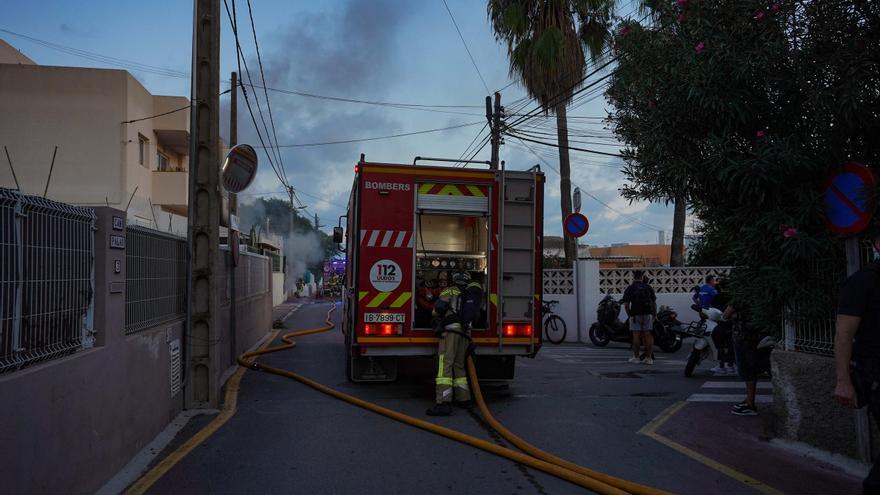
(759, 134)
(783, 227)
(680, 18)
(700, 47)
(681, 3)
(759, 15)
(789, 232)
(774, 8)
(625, 30)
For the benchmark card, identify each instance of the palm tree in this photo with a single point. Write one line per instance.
(546, 43)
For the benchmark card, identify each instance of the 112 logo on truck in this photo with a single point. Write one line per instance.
(385, 275)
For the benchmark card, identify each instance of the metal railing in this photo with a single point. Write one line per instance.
(47, 253)
(155, 278)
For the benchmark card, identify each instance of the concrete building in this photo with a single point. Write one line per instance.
(106, 155)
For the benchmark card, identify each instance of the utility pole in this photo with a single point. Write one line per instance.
(232, 234)
(290, 193)
(317, 225)
(494, 117)
(204, 210)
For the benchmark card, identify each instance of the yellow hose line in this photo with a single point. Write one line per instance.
(578, 477)
(533, 451)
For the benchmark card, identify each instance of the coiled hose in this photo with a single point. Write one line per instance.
(534, 457)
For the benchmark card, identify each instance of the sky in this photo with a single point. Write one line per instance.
(373, 50)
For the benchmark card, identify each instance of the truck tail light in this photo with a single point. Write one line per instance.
(517, 330)
(383, 329)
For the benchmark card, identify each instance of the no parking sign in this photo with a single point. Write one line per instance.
(847, 199)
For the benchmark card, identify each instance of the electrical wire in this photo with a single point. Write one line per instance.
(376, 138)
(474, 62)
(630, 218)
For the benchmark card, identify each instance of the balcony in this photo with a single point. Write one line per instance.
(170, 189)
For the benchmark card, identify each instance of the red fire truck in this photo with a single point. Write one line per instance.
(409, 229)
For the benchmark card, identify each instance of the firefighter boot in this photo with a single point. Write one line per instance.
(442, 409)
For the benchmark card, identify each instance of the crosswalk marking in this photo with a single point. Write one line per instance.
(732, 398)
(760, 385)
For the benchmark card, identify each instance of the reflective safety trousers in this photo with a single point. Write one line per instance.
(451, 371)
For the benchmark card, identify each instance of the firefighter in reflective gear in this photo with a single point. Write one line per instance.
(455, 339)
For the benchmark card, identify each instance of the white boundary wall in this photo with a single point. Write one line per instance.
(580, 290)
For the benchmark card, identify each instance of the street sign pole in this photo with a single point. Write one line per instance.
(576, 199)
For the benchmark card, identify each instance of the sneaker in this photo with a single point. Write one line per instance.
(444, 409)
(732, 371)
(717, 369)
(649, 361)
(744, 410)
(635, 360)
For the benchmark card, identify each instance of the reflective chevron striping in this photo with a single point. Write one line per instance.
(374, 302)
(387, 238)
(401, 300)
(362, 294)
(435, 189)
(493, 298)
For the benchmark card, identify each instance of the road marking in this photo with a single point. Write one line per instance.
(759, 399)
(230, 404)
(650, 430)
(760, 385)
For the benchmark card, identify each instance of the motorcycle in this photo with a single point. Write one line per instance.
(704, 347)
(667, 329)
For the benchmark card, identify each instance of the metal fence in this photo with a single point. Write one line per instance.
(251, 276)
(46, 279)
(155, 278)
(812, 334)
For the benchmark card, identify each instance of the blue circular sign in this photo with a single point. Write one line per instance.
(846, 199)
(576, 224)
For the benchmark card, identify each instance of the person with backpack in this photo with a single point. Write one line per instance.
(640, 304)
(857, 347)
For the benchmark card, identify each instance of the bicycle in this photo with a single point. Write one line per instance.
(554, 326)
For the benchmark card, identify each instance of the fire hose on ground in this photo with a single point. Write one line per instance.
(531, 456)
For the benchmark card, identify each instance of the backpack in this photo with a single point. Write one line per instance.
(641, 302)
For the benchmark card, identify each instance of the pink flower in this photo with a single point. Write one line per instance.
(783, 227)
(774, 8)
(789, 232)
(700, 47)
(759, 15)
(681, 3)
(625, 30)
(680, 18)
(759, 134)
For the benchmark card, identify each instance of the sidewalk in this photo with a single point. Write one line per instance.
(739, 446)
(283, 310)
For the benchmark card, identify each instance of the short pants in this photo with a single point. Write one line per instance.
(746, 359)
(641, 323)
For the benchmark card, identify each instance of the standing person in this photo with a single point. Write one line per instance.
(857, 347)
(745, 347)
(723, 333)
(452, 349)
(640, 304)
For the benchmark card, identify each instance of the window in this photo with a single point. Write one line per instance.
(162, 162)
(143, 151)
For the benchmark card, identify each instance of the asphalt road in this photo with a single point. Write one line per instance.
(581, 403)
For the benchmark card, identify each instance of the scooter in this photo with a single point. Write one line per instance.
(704, 346)
(667, 329)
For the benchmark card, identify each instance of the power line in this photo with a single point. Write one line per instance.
(631, 218)
(474, 62)
(263, 79)
(376, 138)
(514, 134)
(239, 53)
